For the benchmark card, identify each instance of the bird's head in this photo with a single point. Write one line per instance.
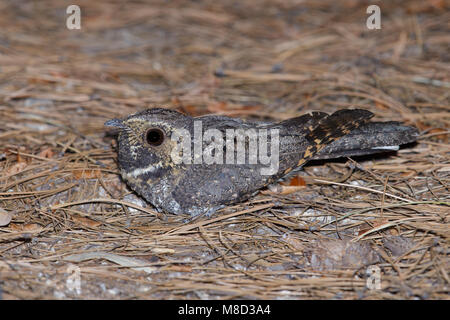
(145, 141)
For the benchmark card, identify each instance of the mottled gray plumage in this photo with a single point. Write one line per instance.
(201, 188)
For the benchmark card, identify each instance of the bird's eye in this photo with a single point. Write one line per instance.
(154, 136)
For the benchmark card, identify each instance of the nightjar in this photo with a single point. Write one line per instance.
(182, 164)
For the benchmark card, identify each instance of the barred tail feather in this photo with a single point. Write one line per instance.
(370, 138)
(332, 128)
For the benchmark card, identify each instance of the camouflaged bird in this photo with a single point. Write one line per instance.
(147, 163)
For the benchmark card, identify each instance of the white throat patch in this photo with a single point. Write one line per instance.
(139, 171)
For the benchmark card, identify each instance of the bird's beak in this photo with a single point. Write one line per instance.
(117, 123)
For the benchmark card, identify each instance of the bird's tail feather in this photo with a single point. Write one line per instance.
(370, 138)
(331, 129)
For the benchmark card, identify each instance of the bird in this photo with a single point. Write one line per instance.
(197, 165)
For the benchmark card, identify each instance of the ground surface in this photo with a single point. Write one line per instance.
(73, 221)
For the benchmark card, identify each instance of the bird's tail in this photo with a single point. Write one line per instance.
(369, 138)
(331, 129)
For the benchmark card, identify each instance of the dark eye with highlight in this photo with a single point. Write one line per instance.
(154, 136)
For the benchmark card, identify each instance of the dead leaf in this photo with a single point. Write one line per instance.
(15, 227)
(438, 4)
(296, 184)
(432, 130)
(5, 217)
(31, 227)
(20, 159)
(398, 245)
(281, 189)
(425, 7)
(86, 222)
(394, 232)
(375, 224)
(294, 242)
(408, 174)
(381, 105)
(16, 168)
(46, 153)
(443, 137)
(86, 174)
(340, 254)
(296, 181)
(217, 107)
(191, 110)
(420, 125)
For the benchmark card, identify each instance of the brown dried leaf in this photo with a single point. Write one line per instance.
(217, 107)
(280, 189)
(86, 174)
(294, 242)
(31, 227)
(15, 227)
(16, 168)
(86, 222)
(21, 159)
(5, 217)
(340, 254)
(398, 245)
(191, 110)
(408, 174)
(438, 4)
(381, 105)
(376, 224)
(296, 181)
(443, 136)
(46, 153)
